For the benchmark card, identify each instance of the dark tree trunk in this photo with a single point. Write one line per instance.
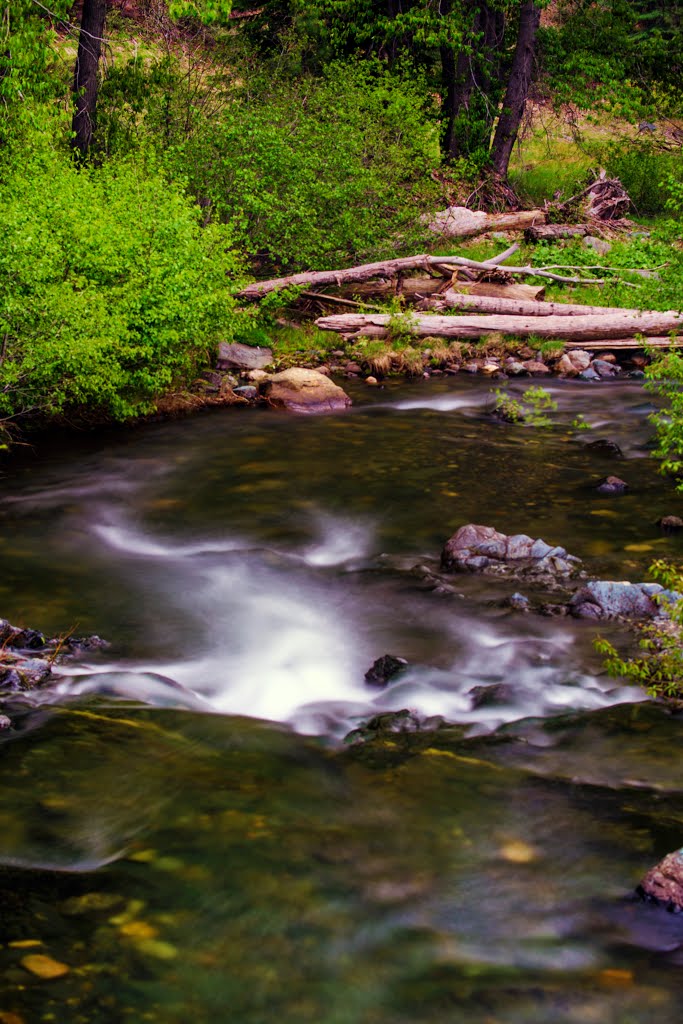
(517, 87)
(470, 81)
(86, 81)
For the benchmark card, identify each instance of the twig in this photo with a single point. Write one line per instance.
(341, 302)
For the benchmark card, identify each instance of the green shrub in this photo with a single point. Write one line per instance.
(309, 173)
(110, 291)
(659, 666)
(532, 408)
(643, 169)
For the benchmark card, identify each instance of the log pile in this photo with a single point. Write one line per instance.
(490, 300)
(604, 199)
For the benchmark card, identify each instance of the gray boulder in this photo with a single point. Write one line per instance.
(235, 356)
(605, 599)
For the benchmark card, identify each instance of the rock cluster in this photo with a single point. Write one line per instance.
(27, 657)
(483, 549)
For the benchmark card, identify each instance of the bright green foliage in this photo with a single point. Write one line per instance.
(532, 409)
(659, 666)
(110, 292)
(27, 57)
(206, 11)
(312, 173)
(645, 170)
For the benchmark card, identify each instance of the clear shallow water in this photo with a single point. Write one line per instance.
(254, 566)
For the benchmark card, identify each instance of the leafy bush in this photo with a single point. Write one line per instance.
(643, 169)
(110, 291)
(315, 172)
(659, 666)
(531, 409)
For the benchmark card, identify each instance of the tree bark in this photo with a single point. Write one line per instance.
(467, 82)
(517, 87)
(563, 328)
(86, 76)
(551, 232)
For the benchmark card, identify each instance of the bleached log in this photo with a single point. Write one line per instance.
(513, 307)
(570, 328)
(459, 222)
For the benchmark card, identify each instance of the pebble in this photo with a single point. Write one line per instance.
(44, 966)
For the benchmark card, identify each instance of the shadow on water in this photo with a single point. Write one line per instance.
(170, 865)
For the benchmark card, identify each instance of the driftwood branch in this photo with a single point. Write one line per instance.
(315, 279)
(573, 328)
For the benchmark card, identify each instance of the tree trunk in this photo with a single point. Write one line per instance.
(562, 328)
(459, 222)
(468, 106)
(517, 87)
(86, 82)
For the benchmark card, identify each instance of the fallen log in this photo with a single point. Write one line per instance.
(523, 292)
(459, 222)
(314, 279)
(512, 307)
(551, 232)
(572, 328)
(628, 343)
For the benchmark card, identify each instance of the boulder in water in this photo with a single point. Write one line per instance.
(304, 391)
(606, 599)
(612, 485)
(483, 549)
(670, 524)
(664, 882)
(384, 669)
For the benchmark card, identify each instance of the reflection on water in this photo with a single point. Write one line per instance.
(186, 865)
(258, 876)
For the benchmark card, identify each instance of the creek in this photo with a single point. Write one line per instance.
(183, 827)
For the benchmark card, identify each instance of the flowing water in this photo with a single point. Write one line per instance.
(182, 825)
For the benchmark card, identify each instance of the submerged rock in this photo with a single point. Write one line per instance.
(612, 485)
(390, 723)
(670, 524)
(304, 391)
(384, 669)
(483, 549)
(664, 882)
(603, 446)
(492, 695)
